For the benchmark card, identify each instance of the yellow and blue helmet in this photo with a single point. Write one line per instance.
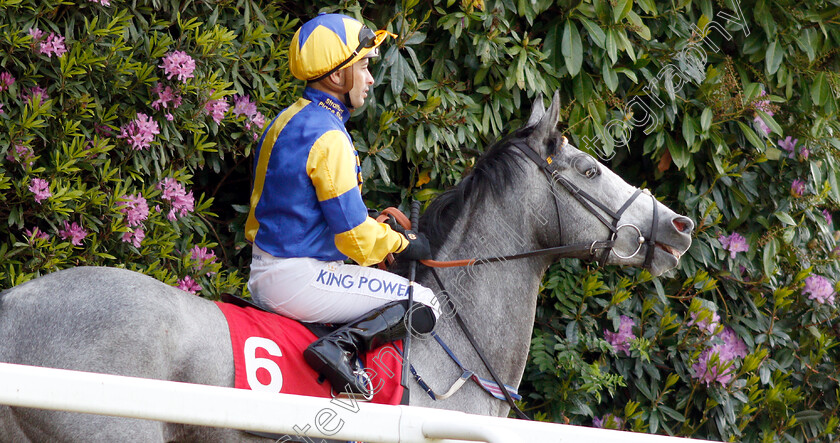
(330, 42)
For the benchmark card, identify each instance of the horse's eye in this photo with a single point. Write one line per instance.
(591, 172)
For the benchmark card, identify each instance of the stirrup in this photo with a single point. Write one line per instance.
(354, 395)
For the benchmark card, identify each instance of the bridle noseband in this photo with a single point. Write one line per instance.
(553, 173)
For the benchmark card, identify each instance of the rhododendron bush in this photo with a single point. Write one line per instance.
(119, 126)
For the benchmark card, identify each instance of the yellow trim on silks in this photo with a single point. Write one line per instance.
(252, 225)
(381, 241)
(328, 163)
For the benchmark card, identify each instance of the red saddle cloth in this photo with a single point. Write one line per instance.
(268, 356)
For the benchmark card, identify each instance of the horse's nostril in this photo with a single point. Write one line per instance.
(683, 224)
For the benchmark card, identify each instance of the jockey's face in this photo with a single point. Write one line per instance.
(362, 81)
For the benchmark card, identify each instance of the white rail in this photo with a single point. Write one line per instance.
(58, 389)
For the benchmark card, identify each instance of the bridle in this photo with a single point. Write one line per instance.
(553, 173)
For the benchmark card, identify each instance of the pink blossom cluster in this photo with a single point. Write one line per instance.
(178, 64)
(102, 2)
(166, 97)
(35, 234)
(621, 340)
(6, 80)
(608, 421)
(820, 289)
(709, 326)
(74, 232)
(797, 188)
(36, 91)
(762, 105)
(52, 45)
(202, 256)
(732, 347)
(827, 216)
(789, 145)
(22, 154)
(216, 109)
(140, 132)
(41, 189)
(135, 209)
(134, 236)
(242, 105)
(734, 243)
(189, 285)
(182, 201)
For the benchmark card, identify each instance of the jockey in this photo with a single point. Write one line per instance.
(307, 214)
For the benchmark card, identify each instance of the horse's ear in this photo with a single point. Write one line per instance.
(547, 124)
(537, 112)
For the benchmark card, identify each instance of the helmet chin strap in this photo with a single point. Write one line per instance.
(348, 86)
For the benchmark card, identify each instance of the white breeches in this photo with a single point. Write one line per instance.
(314, 291)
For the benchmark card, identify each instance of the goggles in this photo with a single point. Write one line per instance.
(367, 39)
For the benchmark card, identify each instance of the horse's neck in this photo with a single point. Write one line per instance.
(496, 300)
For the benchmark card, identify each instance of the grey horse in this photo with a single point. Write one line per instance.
(119, 322)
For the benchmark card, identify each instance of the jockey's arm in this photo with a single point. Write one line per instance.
(332, 168)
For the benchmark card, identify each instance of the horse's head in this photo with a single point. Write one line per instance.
(627, 226)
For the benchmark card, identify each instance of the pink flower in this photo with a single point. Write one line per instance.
(797, 188)
(258, 121)
(36, 91)
(178, 63)
(135, 209)
(74, 232)
(789, 145)
(202, 254)
(216, 109)
(182, 202)
(166, 96)
(608, 421)
(731, 348)
(54, 45)
(820, 289)
(827, 216)
(102, 2)
(23, 155)
(1, 108)
(621, 340)
(169, 117)
(6, 80)
(140, 132)
(242, 105)
(36, 34)
(734, 243)
(41, 189)
(134, 237)
(35, 234)
(189, 285)
(762, 105)
(709, 326)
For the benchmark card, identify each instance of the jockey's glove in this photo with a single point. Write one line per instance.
(418, 247)
(373, 213)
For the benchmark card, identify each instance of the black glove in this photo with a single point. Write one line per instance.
(392, 222)
(373, 213)
(418, 247)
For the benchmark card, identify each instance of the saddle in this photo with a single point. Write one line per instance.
(280, 356)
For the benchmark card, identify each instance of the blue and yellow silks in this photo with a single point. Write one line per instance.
(307, 200)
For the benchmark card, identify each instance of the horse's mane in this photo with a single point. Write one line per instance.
(493, 174)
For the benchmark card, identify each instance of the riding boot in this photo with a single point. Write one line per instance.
(334, 356)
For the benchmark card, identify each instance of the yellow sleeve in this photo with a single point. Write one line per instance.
(332, 168)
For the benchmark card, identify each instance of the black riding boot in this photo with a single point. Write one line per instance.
(334, 356)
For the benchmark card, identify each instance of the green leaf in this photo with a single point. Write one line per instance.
(572, 48)
(688, 130)
(773, 57)
(620, 10)
(595, 32)
(610, 77)
(820, 90)
(785, 218)
(769, 256)
(706, 120)
(770, 122)
(612, 47)
(752, 137)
